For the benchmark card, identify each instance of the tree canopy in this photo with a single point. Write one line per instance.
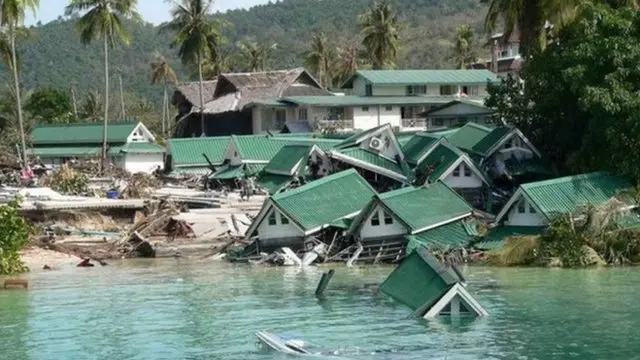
(49, 106)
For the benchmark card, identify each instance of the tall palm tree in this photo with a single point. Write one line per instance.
(463, 51)
(346, 63)
(102, 19)
(254, 55)
(318, 57)
(197, 37)
(161, 72)
(530, 17)
(381, 30)
(214, 66)
(92, 107)
(12, 14)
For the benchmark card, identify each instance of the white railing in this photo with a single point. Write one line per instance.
(414, 123)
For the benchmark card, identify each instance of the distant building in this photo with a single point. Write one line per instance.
(130, 144)
(505, 54)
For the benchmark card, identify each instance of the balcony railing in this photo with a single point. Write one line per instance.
(414, 123)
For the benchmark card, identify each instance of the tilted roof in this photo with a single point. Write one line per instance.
(82, 133)
(401, 77)
(456, 234)
(230, 172)
(439, 161)
(492, 139)
(273, 183)
(468, 136)
(323, 201)
(288, 159)
(564, 195)
(371, 158)
(422, 208)
(418, 146)
(188, 151)
(264, 148)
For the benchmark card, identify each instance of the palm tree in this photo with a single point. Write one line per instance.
(254, 55)
(92, 108)
(345, 64)
(212, 67)
(318, 58)
(530, 17)
(197, 37)
(381, 30)
(161, 72)
(102, 19)
(12, 14)
(463, 52)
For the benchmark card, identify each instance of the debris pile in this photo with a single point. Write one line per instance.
(67, 181)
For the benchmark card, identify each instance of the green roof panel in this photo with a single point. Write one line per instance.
(264, 147)
(494, 238)
(138, 148)
(457, 234)
(492, 139)
(188, 151)
(288, 158)
(417, 146)
(81, 133)
(468, 136)
(57, 151)
(273, 183)
(439, 161)
(418, 77)
(233, 172)
(325, 200)
(372, 158)
(352, 100)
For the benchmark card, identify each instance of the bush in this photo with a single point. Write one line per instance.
(14, 235)
(67, 181)
(517, 251)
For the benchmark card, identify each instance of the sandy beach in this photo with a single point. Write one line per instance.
(36, 258)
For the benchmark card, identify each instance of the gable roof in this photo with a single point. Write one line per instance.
(82, 133)
(319, 203)
(455, 234)
(262, 148)
(492, 139)
(479, 107)
(188, 151)
(371, 161)
(419, 280)
(288, 159)
(467, 136)
(442, 158)
(419, 145)
(427, 207)
(234, 91)
(563, 195)
(191, 92)
(401, 77)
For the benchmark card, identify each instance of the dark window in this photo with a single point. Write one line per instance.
(532, 210)
(365, 108)
(303, 114)
(467, 170)
(375, 219)
(388, 108)
(272, 219)
(284, 220)
(368, 90)
(456, 171)
(388, 219)
(416, 89)
(438, 122)
(521, 207)
(448, 89)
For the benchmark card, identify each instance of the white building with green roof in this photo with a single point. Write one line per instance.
(130, 144)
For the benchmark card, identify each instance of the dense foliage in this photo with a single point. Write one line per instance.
(49, 106)
(14, 235)
(580, 102)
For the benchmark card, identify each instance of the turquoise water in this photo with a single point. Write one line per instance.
(178, 310)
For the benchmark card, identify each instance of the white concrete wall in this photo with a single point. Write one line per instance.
(365, 120)
(146, 163)
(382, 230)
(528, 218)
(140, 135)
(278, 231)
(463, 182)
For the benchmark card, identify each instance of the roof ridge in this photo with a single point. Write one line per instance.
(199, 138)
(565, 179)
(316, 183)
(131, 122)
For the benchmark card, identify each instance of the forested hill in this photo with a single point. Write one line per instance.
(54, 56)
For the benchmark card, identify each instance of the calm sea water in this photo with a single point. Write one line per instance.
(178, 310)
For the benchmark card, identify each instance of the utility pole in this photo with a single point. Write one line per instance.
(124, 115)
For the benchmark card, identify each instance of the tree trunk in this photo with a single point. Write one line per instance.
(16, 83)
(106, 105)
(124, 114)
(75, 103)
(202, 132)
(164, 110)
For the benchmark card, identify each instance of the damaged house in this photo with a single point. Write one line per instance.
(186, 154)
(300, 217)
(242, 103)
(394, 223)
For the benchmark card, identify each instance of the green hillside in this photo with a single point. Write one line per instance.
(55, 57)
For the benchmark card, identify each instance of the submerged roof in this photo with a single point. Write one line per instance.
(188, 151)
(427, 207)
(323, 201)
(456, 234)
(400, 77)
(420, 280)
(564, 195)
(82, 133)
(494, 238)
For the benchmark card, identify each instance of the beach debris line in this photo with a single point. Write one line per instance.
(430, 288)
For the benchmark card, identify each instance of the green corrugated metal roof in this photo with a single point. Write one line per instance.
(419, 280)
(417, 146)
(86, 133)
(57, 151)
(494, 238)
(418, 77)
(232, 172)
(453, 235)
(138, 148)
(439, 161)
(468, 136)
(372, 158)
(490, 140)
(480, 105)
(325, 200)
(426, 206)
(273, 183)
(288, 158)
(351, 100)
(356, 138)
(264, 148)
(564, 195)
(188, 151)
